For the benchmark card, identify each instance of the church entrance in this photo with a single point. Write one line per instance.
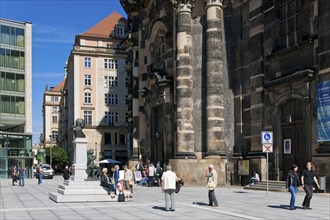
(157, 134)
(293, 136)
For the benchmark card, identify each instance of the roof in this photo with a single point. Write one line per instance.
(106, 26)
(59, 86)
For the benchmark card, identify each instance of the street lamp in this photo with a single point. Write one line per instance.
(50, 150)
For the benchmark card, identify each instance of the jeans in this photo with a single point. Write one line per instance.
(169, 196)
(309, 194)
(212, 198)
(21, 180)
(293, 190)
(40, 178)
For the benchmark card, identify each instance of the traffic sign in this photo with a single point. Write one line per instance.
(267, 137)
(267, 148)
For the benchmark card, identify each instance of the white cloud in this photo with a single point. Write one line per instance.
(48, 75)
(53, 34)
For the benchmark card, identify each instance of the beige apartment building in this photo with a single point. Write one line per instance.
(95, 89)
(50, 110)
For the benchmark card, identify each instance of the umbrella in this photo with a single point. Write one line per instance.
(109, 161)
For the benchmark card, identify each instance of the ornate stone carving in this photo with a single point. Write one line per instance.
(183, 5)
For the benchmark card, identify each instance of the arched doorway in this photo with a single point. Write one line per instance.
(293, 136)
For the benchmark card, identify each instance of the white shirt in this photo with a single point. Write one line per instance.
(151, 170)
(169, 179)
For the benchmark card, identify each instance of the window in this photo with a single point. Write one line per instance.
(54, 109)
(54, 99)
(126, 99)
(110, 81)
(12, 36)
(122, 139)
(88, 117)
(87, 80)
(88, 98)
(87, 62)
(116, 138)
(54, 119)
(12, 58)
(111, 117)
(120, 32)
(54, 137)
(126, 117)
(110, 64)
(107, 138)
(291, 23)
(126, 82)
(111, 99)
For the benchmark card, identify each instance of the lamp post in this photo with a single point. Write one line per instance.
(50, 150)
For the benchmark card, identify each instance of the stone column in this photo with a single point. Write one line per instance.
(184, 84)
(80, 159)
(214, 78)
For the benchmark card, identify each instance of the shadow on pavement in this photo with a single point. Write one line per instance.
(279, 206)
(159, 208)
(200, 203)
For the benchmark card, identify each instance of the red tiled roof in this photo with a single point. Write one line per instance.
(106, 26)
(59, 86)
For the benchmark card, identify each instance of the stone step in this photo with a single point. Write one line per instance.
(275, 186)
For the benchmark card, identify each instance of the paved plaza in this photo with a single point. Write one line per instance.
(32, 202)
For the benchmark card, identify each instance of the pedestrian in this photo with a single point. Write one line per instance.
(139, 167)
(255, 179)
(116, 174)
(13, 174)
(212, 178)
(66, 173)
(292, 184)
(21, 175)
(307, 179)
(107, 183)
(159, 173)
(151, 174)
(169, 179)
(128, 179)
(40, 174)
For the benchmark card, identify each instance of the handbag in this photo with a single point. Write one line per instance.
(211, 185)
(121, 197)
(131, 182)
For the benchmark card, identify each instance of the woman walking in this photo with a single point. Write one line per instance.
(292, 183)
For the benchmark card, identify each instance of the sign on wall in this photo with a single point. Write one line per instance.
(243, 167)
(287, 146)
(323, 111)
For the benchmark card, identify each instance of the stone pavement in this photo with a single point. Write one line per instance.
(32, 202)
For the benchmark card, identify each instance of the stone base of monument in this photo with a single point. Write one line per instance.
(81, 191)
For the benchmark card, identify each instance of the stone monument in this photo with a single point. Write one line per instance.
(79, 188)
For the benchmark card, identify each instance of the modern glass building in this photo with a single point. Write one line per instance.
(15, 95)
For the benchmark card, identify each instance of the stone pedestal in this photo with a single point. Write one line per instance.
(183, 168)
(77, 189)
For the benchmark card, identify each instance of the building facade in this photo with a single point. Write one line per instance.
(223, 72)
(50, 110)
(15, 96)
(95, 90)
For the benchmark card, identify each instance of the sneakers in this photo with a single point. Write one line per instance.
(215, 206)
(292, 208)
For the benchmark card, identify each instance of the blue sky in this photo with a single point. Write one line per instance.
(54, 26)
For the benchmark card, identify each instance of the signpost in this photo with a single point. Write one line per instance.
(267, 147)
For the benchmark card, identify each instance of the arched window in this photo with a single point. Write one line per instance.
(54, 136)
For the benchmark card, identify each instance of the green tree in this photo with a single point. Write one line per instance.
(59, 156)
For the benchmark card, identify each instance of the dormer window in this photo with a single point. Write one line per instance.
(120, 30)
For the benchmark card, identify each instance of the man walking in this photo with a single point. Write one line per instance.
(169, 179)
(307, 178)
(212, 177)
(21, 175)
